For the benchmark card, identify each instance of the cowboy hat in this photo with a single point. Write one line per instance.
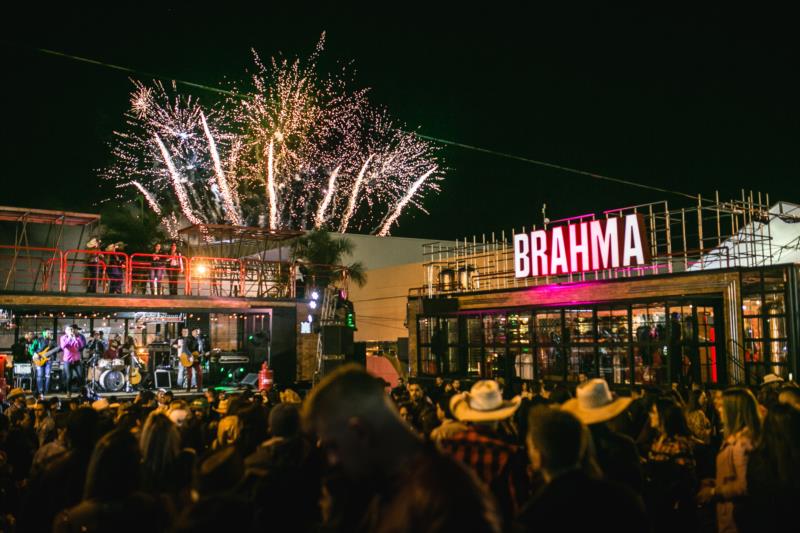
(593, 402)
(94, 242)
(772, 378)
(15, 392)
(483, 403)
(100, 405)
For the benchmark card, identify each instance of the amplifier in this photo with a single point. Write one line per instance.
(163, 379)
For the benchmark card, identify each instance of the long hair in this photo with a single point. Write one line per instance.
(114, 469)
(160, 444)
(740, 411)
(779, 446)
(694, 400)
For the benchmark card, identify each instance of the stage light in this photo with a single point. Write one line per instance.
(313, 304)
(315, 295)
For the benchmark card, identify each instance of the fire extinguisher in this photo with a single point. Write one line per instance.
(265, 377)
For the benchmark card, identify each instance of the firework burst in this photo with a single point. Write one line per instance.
(292, 149)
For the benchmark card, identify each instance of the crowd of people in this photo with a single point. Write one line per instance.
(356, 455)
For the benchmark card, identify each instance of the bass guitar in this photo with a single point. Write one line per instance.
(41, 358)
(188, 360)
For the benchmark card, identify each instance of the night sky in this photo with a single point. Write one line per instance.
(693, 101)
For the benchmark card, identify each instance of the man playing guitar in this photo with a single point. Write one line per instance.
(43, 351)
(192, 349)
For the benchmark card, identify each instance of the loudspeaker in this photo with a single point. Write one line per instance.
(360, 353)
(337, 340)
(402, 349)
(250, 379)
(163, 379)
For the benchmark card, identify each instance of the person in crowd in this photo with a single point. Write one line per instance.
(400, 392)
(72, 345)
(595, 406)
(696, 418)
(742, 428)
(573, 497)
(457, 386)
(404, 410)
(53, 449)
(422, 410)
(399, 483)
(158, 271)
(43, 424)
(160, 446)
(448, 426)
(164, 399)
(671, 466)
(60, 485)
(44, 349)
(560, 394)
(112, 500)
(174, 268)
(500, 464)
(790, 395)
(769, 391)
(437, 389)
(773, 484)
(16, 400)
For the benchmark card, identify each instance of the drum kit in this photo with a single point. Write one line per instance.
(113, 375)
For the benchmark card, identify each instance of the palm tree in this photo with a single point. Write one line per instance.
(319, 249)
(139, 230)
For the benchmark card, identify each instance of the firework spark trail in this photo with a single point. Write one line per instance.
(176, 183)
(149, 197)
(320, 218)
(351, 205)
(273, 201)
(224, 189)
(384, 231)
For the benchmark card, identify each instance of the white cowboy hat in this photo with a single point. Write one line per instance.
(483, 403)
(772, 378)
(593, 402)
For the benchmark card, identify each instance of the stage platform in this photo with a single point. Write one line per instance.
(177, 393)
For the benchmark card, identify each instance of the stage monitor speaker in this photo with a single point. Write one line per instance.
(163, 379)
(250, 379)
(337, 340)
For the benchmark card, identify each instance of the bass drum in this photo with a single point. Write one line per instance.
(112, 380)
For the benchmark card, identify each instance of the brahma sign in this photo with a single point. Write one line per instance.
(616, 242)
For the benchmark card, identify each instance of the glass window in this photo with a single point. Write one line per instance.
(474, 359)
(775, 280)
(428, 361)
(752, 328)
(612, 325)
(451, 363)
(452, 331)
(224, 333)
(519, 328)
(581, 361)
(425, 329)
(776, 327)
(579, 325)
(474, 330)
(523, 363)
(495, 329)
(548, 327)
(774, 303)
(550, 360)
(649, 324)
(751, 305)
(495, 363)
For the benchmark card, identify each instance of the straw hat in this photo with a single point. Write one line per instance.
(100, 405)
(14, 393)
(483, 403)
(772, 378)
(593, 402)
(222, 407)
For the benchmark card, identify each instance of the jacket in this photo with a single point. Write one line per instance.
(731, 482)
(72, 346)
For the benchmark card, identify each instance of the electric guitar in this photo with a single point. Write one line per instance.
(135, 376)
(41, 358)
(188, 360)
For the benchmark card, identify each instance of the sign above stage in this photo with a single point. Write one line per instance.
(616, 242)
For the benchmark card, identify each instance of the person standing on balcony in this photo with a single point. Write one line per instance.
(115, 265)
(92, 265)
(175, 267)
(158, 271)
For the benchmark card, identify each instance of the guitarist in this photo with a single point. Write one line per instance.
(43, 349)
(72, 343)
(192, 349)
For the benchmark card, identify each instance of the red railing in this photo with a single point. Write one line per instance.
(29, 267)
(161, 277)
(53, 270)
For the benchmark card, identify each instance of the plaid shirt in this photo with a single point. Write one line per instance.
(499, 464)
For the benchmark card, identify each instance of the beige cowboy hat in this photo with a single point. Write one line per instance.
(15, 392)
(594, 403)
(483, 403)
(772, 378)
